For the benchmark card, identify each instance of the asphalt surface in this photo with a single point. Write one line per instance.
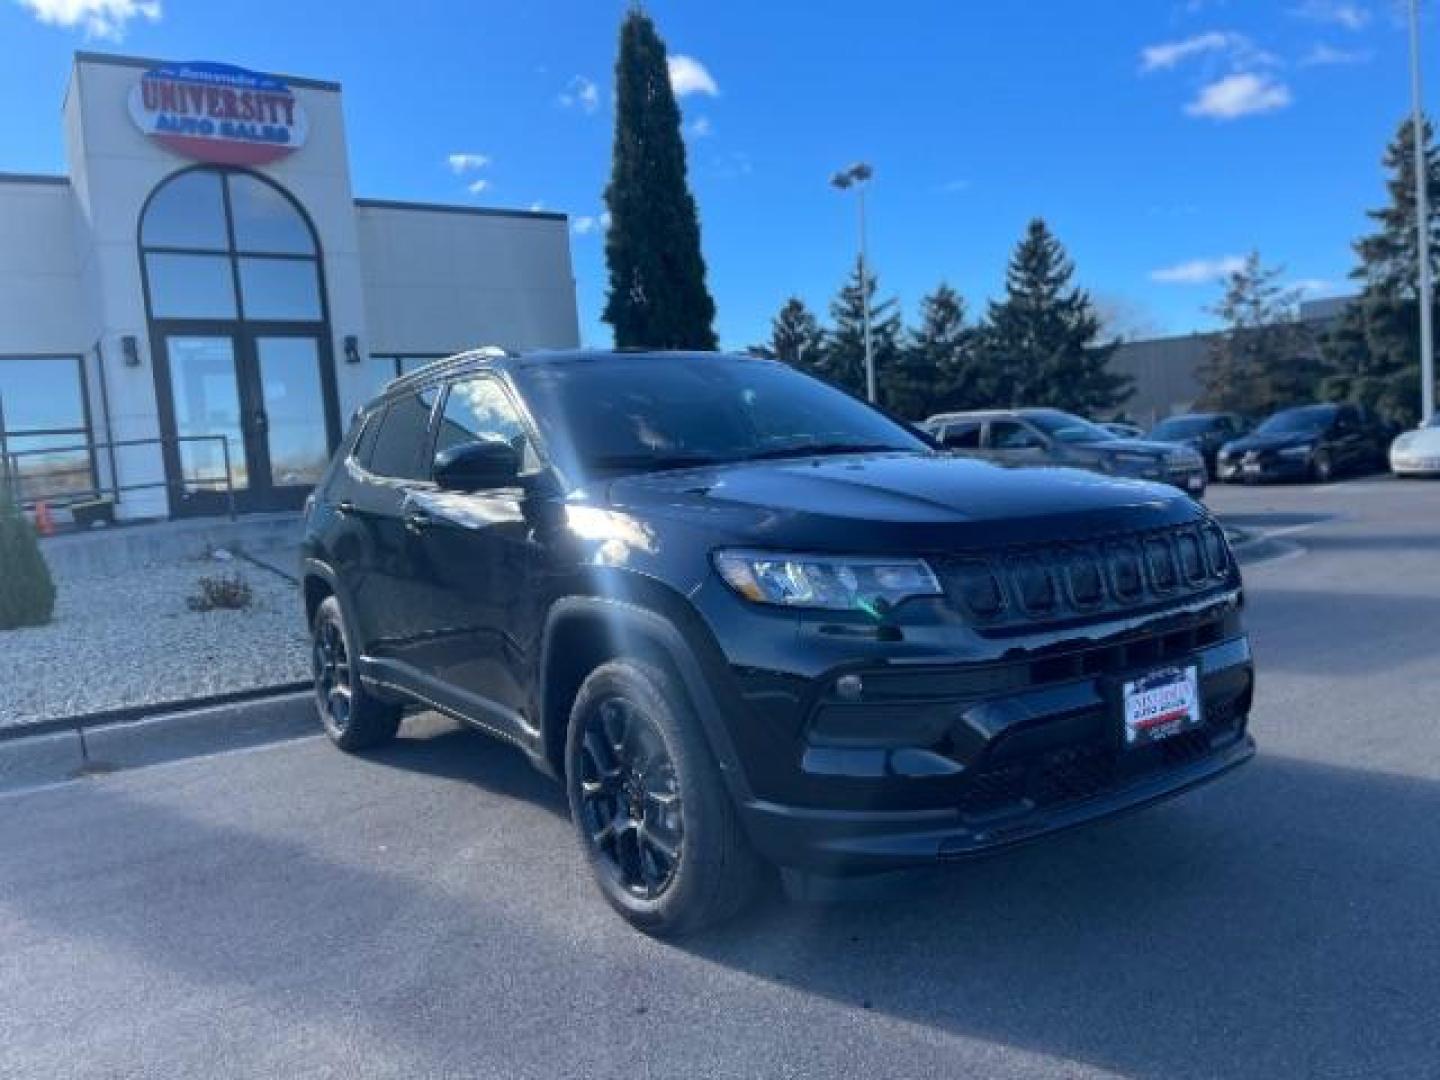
(286, 910)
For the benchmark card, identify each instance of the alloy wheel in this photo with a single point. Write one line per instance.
(332, 675)
(630, 798)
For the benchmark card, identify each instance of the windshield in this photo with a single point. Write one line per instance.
(1067, 427)
(637, 414)
(1181, 427)
(1309, 418)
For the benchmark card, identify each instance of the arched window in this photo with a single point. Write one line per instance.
(222, 244)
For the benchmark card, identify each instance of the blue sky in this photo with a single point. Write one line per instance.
(1159, 138)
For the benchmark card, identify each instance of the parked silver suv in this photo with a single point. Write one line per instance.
(1053, 437)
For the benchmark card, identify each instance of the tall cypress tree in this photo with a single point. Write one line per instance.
(1372, 355)
(795, 337)
(1040, 342)
(657, 294)
(845, 343)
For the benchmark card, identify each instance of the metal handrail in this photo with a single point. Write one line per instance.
(10, 475)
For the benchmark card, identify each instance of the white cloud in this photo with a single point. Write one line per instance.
(100, 18)
(1310, 287)
(1168, 54)
(1241, 94)
(1328, 55)
(689, 76)
(701, 128)
(475, 187)
(580, 93)
(583, 225)
(1199, 271)
(463, 163)
(537, 206)
(1334, 12)
(605, 219)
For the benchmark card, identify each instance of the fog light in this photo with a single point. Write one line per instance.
(849, 687)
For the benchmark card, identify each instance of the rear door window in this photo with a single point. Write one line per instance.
(402, 435)
(962, 436)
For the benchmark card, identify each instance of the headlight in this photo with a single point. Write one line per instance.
(834, 583)
(1404, 442)
(1182, 457)
(1304, 450)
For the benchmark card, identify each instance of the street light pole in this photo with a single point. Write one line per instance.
(1422, 222)
(858, 176)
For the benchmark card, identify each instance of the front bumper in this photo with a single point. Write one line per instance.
(1268, 466)
(875, 841)
(1415, 465)
(1009, 768)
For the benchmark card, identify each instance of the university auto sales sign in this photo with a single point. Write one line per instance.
(218, 113)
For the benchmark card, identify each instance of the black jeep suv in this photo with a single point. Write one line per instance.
(749, 620)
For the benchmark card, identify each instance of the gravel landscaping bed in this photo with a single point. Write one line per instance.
(130, 639)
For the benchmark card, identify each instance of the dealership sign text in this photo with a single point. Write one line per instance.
(218, 113)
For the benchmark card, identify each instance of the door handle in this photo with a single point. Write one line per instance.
(345, 506)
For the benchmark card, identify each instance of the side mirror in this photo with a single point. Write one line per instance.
(477, 466)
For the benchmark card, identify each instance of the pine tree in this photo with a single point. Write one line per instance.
(1040, 343)
(1264, 358)
(844, 361)
(1372, 357)
(27, 593)
(657, 294)
(938, 363)
(795, 337)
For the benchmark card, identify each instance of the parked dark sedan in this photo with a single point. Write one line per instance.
(1205, 432)
(1054, 437)
(1310, 442)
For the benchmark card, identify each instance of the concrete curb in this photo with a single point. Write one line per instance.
(31, 759)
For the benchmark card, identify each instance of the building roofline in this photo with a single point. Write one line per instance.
(118, 60)
(451, 208)
(34, 178)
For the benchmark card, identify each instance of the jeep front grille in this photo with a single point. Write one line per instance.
(1060, 582)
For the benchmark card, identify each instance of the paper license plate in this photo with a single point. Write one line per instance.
(1161, 704)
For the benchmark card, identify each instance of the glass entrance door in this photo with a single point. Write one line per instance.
(263, 394)
(291, 416)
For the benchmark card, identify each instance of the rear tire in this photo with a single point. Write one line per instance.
(353, 717)
(651, 811)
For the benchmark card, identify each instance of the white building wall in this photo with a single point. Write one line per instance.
(41, 300)
(442, 279)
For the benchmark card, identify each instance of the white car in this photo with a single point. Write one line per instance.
(1417, 453)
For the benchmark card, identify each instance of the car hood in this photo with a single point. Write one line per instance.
(1146, 447)
(1421, 440)
(1277, 440)
(859, 502)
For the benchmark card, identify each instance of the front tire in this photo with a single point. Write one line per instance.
(651, 811)
(353, 717)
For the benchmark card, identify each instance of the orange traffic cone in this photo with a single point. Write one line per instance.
(44, 523)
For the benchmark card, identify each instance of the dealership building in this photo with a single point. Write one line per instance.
(203, 286)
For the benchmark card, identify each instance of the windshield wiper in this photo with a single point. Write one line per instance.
(652, 462)
(821, 449)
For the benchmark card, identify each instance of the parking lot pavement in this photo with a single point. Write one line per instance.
(423, 911)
